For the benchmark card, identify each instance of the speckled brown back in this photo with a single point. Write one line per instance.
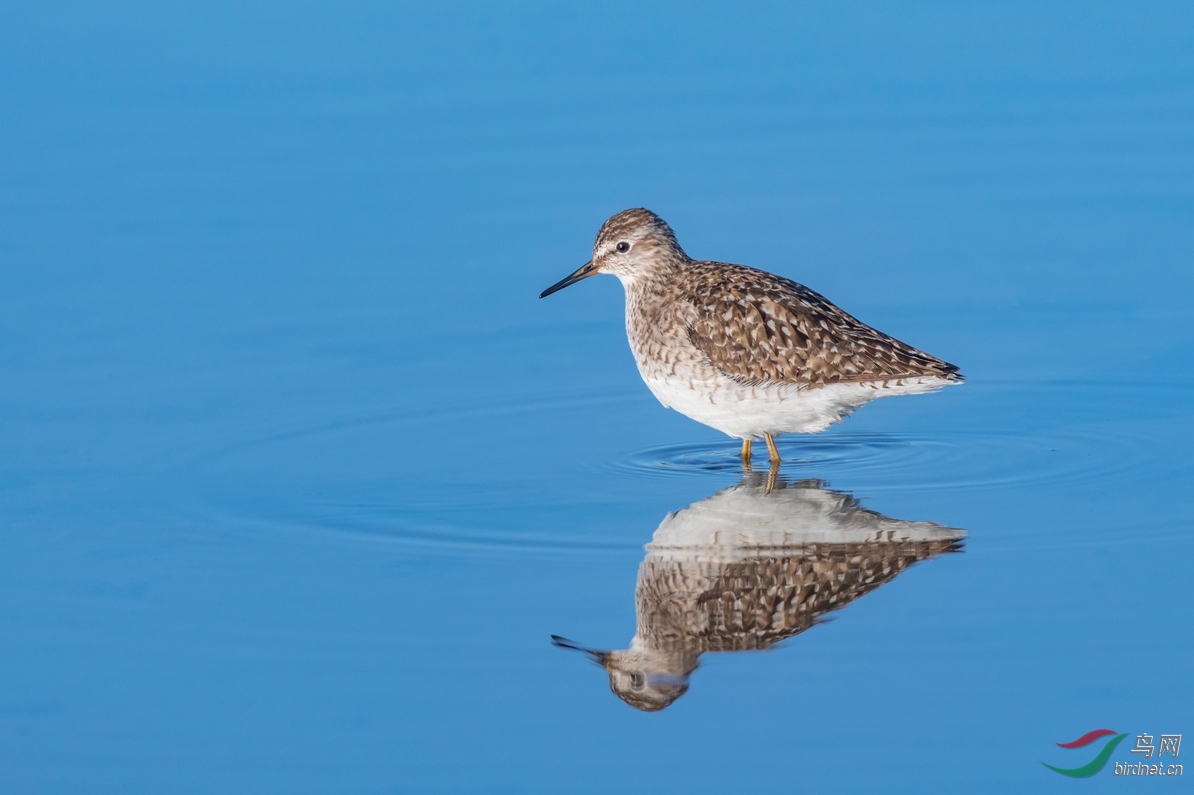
(758, 328)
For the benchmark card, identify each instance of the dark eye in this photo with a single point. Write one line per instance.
(636, 681)
(623, 247)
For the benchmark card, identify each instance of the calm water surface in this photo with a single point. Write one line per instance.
(298, 478)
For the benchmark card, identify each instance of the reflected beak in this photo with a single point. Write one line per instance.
(598, 657)
(583, 272)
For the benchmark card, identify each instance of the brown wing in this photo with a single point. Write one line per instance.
(758, 328)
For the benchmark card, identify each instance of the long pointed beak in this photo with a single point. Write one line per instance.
(583, 272)
(598, 657)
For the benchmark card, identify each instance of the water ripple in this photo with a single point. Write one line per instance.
(959, 460)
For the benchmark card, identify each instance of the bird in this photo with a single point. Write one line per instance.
(749, 353)
(751, 566)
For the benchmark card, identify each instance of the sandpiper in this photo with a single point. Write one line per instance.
(746, 352)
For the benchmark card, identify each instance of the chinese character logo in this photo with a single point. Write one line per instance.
(1096, 764)
(1166, 744)
(1144, 745)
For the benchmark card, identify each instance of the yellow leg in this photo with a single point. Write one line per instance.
(746, 453)
(772, 453)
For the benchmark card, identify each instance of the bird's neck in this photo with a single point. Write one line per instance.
(653, 280)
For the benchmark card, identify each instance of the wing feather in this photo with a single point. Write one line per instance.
(757, 328)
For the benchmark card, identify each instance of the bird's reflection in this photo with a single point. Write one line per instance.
(749, 567)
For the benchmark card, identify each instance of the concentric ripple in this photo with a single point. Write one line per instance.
(959, 460)
(356, 474)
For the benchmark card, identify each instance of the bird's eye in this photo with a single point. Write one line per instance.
(636, 681)
(623, 247)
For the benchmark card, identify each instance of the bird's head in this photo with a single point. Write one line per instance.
(628, 245)
(645, 678)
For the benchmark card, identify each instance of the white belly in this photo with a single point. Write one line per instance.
(748, 412)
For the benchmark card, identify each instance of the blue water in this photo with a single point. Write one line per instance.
(298, 476)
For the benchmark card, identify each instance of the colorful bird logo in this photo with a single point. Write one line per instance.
(1094, 765)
